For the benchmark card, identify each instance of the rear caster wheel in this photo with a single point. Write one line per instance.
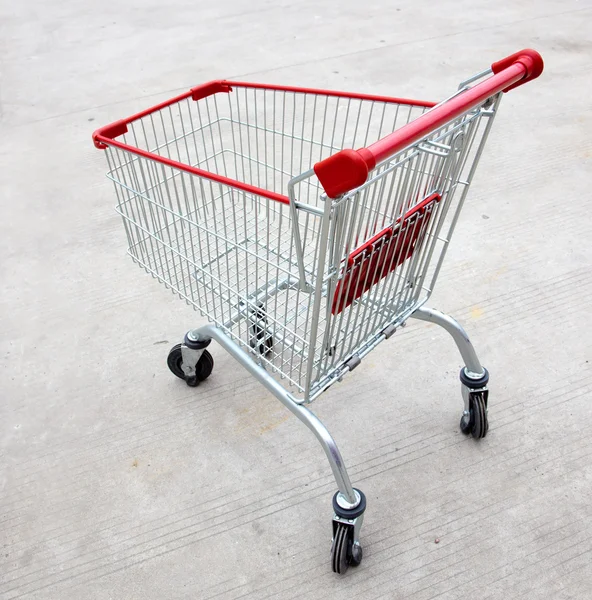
(476, 423)
(203, 368)
(344, 553)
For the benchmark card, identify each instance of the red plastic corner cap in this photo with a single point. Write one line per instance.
(342, 172)
(109, 131)
(530, 59)
(207, 89)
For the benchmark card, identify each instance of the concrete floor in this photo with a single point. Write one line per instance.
(120, 482)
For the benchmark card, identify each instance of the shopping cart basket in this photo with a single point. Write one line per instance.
(250, 202)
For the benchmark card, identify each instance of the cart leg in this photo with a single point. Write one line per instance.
(349, 503)
(473, 376)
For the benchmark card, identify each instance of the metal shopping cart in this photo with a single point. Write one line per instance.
(250, 202)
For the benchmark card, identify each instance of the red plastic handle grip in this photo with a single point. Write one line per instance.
(530, 59)
(349, 169)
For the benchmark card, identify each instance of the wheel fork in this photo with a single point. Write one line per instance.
(191, 350)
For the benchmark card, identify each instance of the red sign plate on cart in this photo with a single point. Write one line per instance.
(383, 253)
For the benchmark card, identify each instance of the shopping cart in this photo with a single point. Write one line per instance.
(249, 202)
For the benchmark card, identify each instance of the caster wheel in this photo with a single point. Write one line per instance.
(477, 424)
(343, 551)
(203, 369)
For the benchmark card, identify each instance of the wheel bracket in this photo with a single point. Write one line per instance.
(191, 357)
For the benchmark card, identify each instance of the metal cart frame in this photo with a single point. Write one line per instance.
(299, 288)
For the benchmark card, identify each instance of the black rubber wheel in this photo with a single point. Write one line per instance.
(262, 342)
(203, 369)
(477, 424)
(480, 422)
(339, 560)
(343, 552)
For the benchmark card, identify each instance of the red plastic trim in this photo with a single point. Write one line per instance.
(342, 172)
(207, 89)
(516, 69)
(370, 245)
(382, 254)
(245, 187)
(109, 132)
(421, 206)
(118, 128)
(319, 92)
(532, 61)
(104, 137)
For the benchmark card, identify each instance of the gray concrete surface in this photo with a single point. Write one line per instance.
(117, 481)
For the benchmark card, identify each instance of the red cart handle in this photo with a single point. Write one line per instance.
(349, 169)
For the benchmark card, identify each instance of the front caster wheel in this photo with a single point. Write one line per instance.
(476, 423)
(203, 368)
(344, 553)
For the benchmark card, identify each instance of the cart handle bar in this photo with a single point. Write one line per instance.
(348, 169)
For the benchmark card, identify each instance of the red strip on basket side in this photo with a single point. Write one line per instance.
(383, 253)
